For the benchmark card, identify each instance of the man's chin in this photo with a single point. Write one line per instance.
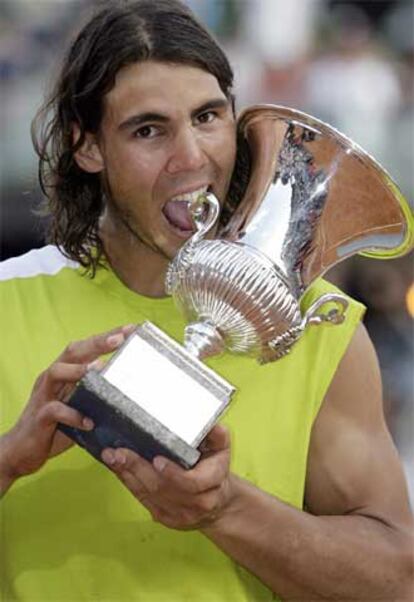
(170, 251)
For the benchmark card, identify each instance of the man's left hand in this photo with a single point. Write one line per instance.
(176, 497)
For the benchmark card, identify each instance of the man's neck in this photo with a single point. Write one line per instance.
(139, 267)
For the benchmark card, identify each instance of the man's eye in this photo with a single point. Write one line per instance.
(207, 117)
(146, 131)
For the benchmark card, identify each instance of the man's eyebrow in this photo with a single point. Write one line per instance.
(141, 118)
(216, 103)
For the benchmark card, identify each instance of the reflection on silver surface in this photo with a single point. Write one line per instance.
(313, 198)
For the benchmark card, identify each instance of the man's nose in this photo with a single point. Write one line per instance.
(187, 153)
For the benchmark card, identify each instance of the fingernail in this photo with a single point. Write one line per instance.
(159, 463)
(120, 458)
(88, 424)
(108, 457)
(115, 340)
(96, 365)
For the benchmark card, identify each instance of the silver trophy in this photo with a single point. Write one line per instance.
(304, 197)
(313, 199)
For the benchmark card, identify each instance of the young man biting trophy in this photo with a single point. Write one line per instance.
(299, 493)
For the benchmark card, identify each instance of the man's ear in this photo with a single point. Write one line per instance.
(88, 156)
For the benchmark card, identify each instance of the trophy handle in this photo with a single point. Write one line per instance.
(335, 315)
(203, 222)
(282, 344)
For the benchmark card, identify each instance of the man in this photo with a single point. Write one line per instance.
(141, 120)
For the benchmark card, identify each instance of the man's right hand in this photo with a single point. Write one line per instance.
(35, 438)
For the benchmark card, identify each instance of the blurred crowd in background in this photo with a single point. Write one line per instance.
(350, 63)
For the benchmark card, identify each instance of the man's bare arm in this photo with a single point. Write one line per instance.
(355, 541)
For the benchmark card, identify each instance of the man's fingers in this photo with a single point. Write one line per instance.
(167, 476)
(125, 460)
(53, 383)
(60, 372)
(87, 350)
(138, 490)
(56, 411)
(217, 439)
(56, 382)
(208, 474)
(133, 484)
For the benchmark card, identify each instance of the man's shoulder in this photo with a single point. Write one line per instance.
(46, 261)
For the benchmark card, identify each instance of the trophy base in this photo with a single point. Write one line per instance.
(132, 405)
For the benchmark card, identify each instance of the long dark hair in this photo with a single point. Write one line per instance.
(120, 33)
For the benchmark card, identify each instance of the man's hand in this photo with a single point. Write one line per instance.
(175, 497)
(35, 438)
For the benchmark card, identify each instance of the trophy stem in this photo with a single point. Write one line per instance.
(202, 339)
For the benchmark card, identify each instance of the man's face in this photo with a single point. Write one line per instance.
(168, 132)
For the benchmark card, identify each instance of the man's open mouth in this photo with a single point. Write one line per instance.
(177, 210)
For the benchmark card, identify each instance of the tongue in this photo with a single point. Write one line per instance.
(178, 215)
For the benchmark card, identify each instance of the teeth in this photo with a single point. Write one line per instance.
(190, 197)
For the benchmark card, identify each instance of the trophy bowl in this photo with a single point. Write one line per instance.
(313, 198)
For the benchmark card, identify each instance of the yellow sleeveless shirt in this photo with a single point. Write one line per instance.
(72, 532)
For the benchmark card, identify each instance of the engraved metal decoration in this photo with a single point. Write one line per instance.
(313, 198)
